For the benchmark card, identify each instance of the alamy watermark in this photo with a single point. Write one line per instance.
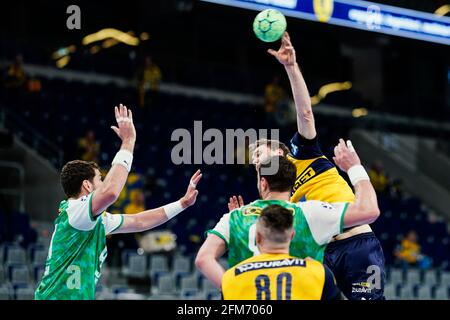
(374, 279)
(74, 20)
(74, 280)
(227, 147)
(373, 282)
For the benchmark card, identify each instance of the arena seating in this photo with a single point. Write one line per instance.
(78, 106)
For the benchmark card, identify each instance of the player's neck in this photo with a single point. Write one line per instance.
(274, 250)
(81, 194)
(273, 195)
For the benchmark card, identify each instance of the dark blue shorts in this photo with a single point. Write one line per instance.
(358, 266)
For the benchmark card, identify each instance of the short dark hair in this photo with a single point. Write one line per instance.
(272, 144)
(278, 221)
(74, 173)
(283, 180)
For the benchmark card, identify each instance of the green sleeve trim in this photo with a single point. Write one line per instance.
(217, 234)
(121, 222)
(342, 217)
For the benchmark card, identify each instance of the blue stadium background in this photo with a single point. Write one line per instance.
(207, 58)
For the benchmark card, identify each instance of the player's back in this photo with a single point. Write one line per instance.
(278, 277)
(77, 250)
(317, 177)
(238, 230)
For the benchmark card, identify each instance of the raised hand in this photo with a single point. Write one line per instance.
(235, 203)
(286, 54)
(191, 194)
(125, 129)
(345, 155)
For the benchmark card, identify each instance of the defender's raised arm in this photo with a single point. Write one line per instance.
(365, 208)
(116, 178)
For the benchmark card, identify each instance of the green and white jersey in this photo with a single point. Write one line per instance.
(77, 251)
(315, 224)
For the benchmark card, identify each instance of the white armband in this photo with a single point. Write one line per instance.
(124, 158)
(357, 173)
(172, 209)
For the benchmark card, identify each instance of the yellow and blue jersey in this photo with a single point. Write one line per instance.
(317, 177)
(279, 277)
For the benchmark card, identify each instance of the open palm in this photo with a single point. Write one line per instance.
(191, 194)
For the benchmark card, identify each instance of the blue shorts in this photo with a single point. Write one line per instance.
(358, 266)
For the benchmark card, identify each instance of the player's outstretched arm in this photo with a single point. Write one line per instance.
(305, 118)
(152, 218)
(114, 181)
(365, 208)
(207, 259)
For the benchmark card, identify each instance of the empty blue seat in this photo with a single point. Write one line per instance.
(424, 292)
(20, 274)
(6, 292)
(441, 293)
(15, 255)
(24, 293)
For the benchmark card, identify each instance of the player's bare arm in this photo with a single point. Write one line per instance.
(149, 219)
(365, 208)
(116, 178)
(305, 118)
(207, 259)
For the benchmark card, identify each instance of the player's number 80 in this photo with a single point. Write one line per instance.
(284, 286)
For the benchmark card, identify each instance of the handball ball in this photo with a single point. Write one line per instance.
(269, 25)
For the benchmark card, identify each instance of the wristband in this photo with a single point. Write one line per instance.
(172, 209)
(124, 158)
(357, 173)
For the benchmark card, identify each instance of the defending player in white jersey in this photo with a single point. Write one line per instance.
(78, 246)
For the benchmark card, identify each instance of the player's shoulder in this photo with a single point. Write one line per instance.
(256, 203)
(63, 205)
(296, 159)
(314, 263)
(303, 148)
(314, 267)
(238, 267)
(248, 209)
(228, 278)
(245, 265)
(228, 274)
(79, 213)
(83, 203)
(304, 204)
(82, 200)
(311, 208)
(314, 204)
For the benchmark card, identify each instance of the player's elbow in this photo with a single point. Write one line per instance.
(306, 125)
(361, 214)
(307, 115)
(111, 196)
(111, 192)
(371, 214)
(138, 223)
(106, 195)
(201, 260)
(374, 214)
